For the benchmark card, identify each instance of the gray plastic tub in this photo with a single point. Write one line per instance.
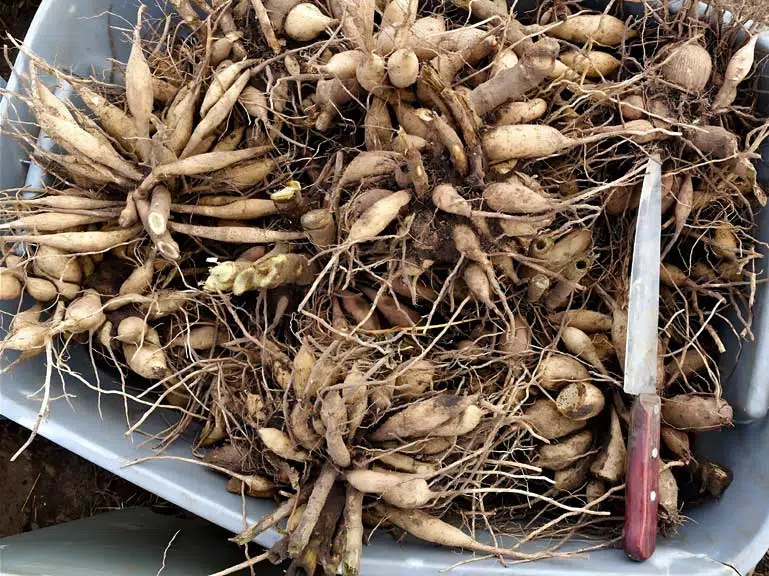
(129, 541)
(723, 537)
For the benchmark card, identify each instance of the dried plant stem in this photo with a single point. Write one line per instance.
(265, 26)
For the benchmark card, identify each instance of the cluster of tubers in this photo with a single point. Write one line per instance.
(381, 252)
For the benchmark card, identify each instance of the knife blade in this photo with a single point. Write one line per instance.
(641, 489)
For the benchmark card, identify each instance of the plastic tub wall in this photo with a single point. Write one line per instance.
(135, 541)
(721, 538)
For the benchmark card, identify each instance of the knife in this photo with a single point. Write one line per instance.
(643, 458)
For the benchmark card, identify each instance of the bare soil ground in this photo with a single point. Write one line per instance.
(15, 16)
(47, 485)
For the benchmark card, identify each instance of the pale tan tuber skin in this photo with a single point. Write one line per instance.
(402, 68)
(224, 77)
(668, 494)
(140, 279)
(725, 244)
(305, 22)
(320, 227)
(580, 401)
(376, 218)
(696, 412)
(420, 418)
(610, 463)
(410, 494)
(277, 11)
(10, 285)
(353, 525)
(524, 112)
(333, 413)
(557, 371)
(632, 107)
(246, 175)
(593, 64)
(688, 364)
(460, 425)
(29, 338)
(538, 285)
(446, 197)
(424, 37)
(234, 234)
(548, 422)
(371, 73)
(255, 486)
(238, 209)
(560, 294)
(200, 338)
(688, 66)
(514, 198)
(505, 59)
(511, 84)
(415, 378)
(115, 121)
(736, 71)
(302, 431)
(586, 320)
(368, 165)
(376, 481)
(474, 276)
(568, 248)
(564, 453)
(159, 210)
(67, 290)
(571, 478)
(594, 490)
(482, 9)
(521, 141)
(81, 241)
(54, 221)
(677, 442)
(356, 397)
(579, 344)
(602, 29)
(139, 95)
(70, 136)
(517, 340)
(147, 360)
(330, 95)
(303, 363)
(40, 289)
(218, 163)
(84, 315)
(431, 529)
(343, 64)
(378, 126)
(404, 463)
(278, 442)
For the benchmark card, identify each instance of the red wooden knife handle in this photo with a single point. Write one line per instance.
(641, 488)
